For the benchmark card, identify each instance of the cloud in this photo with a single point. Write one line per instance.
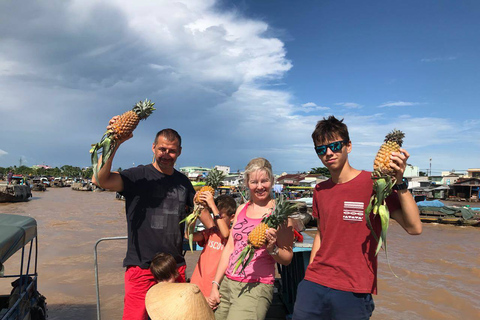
(311, 107)
(67, 67)
(438, 59)
(349, 105)
(398, 104)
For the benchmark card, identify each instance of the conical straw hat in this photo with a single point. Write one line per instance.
(177, 301)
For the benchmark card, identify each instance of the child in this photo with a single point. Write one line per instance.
(212, 239)
(164, 268)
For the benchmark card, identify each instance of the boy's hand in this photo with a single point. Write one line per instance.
(208, 198)
(399, 163)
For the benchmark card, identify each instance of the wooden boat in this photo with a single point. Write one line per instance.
(15, 193)
(458, 221)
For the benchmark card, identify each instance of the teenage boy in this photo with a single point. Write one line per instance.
(342, 274)
(212, 239)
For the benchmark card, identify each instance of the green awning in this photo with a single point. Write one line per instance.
(15, 232)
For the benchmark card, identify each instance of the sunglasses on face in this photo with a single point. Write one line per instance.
(334, 146)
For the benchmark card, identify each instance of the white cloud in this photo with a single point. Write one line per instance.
(2, 152)
(398, 104)
(349, 105)
(311, 107)
(437, 59)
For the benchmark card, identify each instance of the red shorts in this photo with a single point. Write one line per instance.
(137, 283)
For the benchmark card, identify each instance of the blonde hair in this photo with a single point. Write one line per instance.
(258, 164)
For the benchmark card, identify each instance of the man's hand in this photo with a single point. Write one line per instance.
(110, 127)
(399, 163)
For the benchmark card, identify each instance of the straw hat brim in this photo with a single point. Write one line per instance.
(177, 301)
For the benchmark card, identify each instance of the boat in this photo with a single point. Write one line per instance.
(437, 212)
(18, 238)
(37, 185)
(18, 190)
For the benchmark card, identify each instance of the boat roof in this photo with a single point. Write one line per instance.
(15, 232)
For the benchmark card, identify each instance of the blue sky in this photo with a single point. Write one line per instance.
(240, 79)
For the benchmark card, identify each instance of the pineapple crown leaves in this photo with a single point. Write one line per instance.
(283, 210)
(143, 108)
(395, 136)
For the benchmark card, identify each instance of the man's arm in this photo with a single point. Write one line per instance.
(107, 179)
(408, 216)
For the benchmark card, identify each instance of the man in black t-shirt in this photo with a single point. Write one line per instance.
(156, 196)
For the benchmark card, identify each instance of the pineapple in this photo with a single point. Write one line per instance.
(257, 237)
(128, 121)
(191, 219)
(384, 179)
(120, 129)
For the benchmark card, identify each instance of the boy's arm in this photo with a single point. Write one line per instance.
(223, 227)
(197, 236)
(316, 245)
(220, 223)
(205, 216)
(408, 216)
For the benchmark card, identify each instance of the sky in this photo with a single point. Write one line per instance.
(240, 79)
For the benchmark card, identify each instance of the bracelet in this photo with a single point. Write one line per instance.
(218, 284)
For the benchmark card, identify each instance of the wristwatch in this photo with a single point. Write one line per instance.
(401, 186)
(275, 251)
(217, 216)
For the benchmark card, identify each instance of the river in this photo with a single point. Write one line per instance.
(438, 271)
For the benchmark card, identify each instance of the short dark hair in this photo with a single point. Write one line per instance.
(163, 267)
(226, 202)
(328, 129)
(170, 135)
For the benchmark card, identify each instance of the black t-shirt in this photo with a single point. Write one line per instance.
(155, 203)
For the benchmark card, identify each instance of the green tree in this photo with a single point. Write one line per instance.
(87, 173)
(321, 170)
(214, 178)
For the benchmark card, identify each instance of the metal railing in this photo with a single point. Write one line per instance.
(97, 287)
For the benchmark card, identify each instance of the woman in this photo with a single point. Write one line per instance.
(248, 294)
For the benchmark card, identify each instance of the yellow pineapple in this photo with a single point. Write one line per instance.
(196, 199)
(257, 237)
(384, 180)
(393, 142)
(191, 219)
(128, 121)
(120, 129)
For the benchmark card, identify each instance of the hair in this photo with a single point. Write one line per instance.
(163, 267)
(170, 134)
(329, 129)
(258, 164)
(226, 202)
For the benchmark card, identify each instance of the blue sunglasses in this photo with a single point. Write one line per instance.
(334, 146)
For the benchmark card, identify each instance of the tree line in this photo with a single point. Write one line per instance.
(64, 171)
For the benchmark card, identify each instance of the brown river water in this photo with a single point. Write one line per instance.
(438, 271)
